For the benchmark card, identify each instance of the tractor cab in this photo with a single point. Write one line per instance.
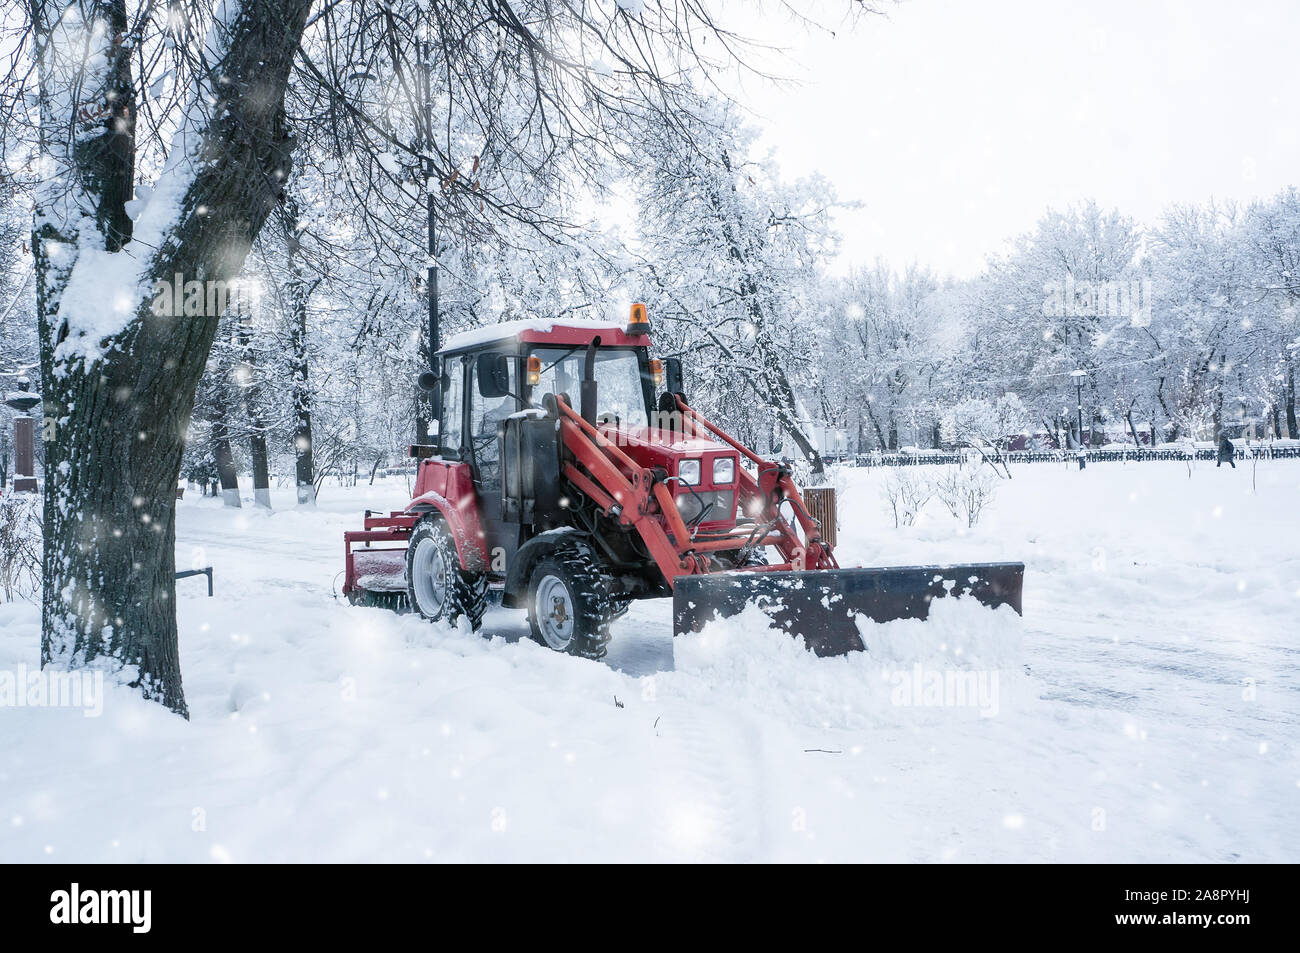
(494, 373)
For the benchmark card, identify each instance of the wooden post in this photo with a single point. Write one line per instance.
(821, 505)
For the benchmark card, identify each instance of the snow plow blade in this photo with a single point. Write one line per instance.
(822, 606)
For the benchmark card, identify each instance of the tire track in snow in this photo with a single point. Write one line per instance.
(1133, 674)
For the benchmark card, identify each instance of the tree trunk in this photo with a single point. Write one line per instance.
(124, 397)
(218, 404)
(776, 388)
(253, 406)
(304, 468)
(222, 454)
(881, 442)
(1293, 430)
(781, 397)
(1216, 415)
(1137, 444)
(1164, 407)
(261, 468)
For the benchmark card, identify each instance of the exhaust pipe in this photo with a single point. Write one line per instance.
(587, 406)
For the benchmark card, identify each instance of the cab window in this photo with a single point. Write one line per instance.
(451, 427)
(484, 415)
(620, 387)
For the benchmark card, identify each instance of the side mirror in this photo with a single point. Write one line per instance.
(493, 376)
(673, 375)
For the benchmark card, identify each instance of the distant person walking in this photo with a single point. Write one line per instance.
(1226, 451)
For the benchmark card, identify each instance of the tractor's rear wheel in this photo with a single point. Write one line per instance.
(439, 589)
(569, 607)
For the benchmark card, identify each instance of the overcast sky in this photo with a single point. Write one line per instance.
(958, 122)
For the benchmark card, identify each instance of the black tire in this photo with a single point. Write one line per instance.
(451, 592)
(571, 579)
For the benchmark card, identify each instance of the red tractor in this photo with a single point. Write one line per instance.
(571, 511)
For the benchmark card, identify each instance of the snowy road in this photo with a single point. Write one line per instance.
(1146, 708)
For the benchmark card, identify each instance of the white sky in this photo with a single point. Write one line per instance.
(957, 123)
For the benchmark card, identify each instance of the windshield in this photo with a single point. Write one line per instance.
(619, 390)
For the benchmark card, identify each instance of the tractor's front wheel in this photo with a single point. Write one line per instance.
(569, 608)
(437, 585)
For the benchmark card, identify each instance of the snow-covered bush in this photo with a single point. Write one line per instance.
(20, 546)
(966, 490)
(906, 490)
(986, 425)
(842, 478)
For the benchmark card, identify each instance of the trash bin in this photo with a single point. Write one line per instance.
(821, 505)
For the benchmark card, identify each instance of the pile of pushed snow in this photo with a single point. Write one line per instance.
(965, 661)
(960, 633)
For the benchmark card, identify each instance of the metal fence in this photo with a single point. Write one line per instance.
(1261, 452)
(1257, 451)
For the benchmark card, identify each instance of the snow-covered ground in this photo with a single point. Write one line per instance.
(1147, 707)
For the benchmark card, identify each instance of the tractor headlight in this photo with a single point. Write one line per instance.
(688, 471)
(724, 469)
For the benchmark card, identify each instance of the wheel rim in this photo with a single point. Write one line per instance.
(553, 609)
(428, 577)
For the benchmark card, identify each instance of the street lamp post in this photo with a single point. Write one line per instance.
(1078, 376)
